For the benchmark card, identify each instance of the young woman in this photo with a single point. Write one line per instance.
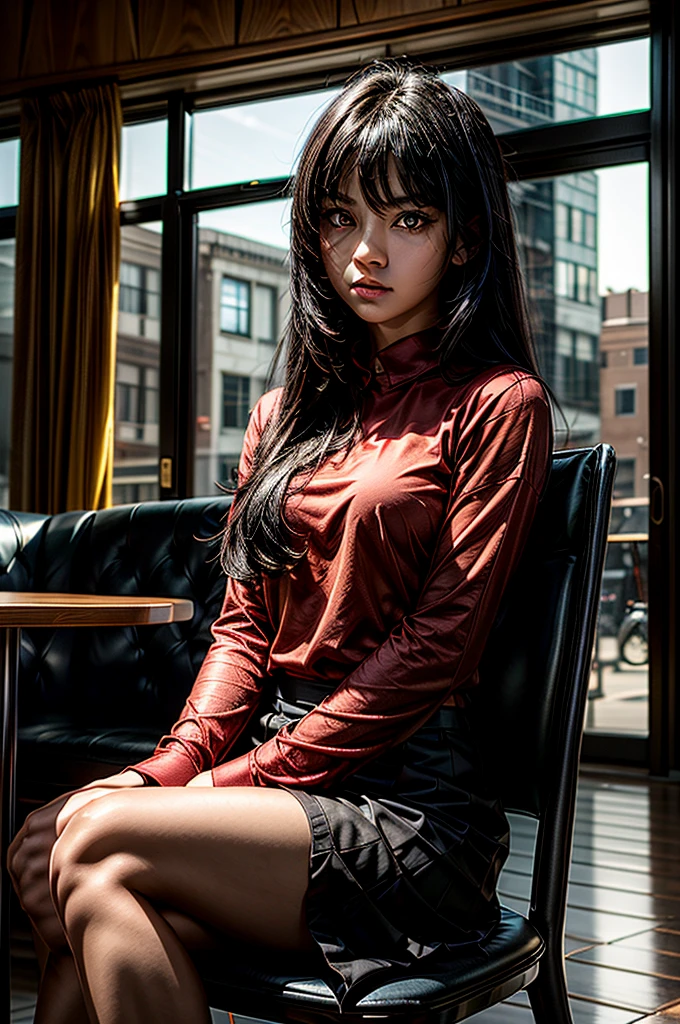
(385, 494)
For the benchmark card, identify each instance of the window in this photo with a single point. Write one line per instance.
(624, 479)
(143, 159)
(564, 278)
(235, 306)
(128, 380)
(590, 230)
(603, 359)
(582, 283)
(235, 401)
(264, 313)
(561, 220)
(139, 301)
(625, 401)
(576, 224)
(640, 356)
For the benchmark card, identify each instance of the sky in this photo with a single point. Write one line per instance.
(262, 140)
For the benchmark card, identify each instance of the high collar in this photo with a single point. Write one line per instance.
(406, 359)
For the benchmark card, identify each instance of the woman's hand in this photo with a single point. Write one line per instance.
(93, 790)
(28, 856)
(204, 779)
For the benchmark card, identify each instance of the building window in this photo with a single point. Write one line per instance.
(140, 290)
(582, 283)
(603, 359)
(264, 313)
(576, 224)
(640, 356)
(590, 230)
(561, 220)
(235, 306)
(565, 278)
(235, 401)
(625, 401)
(136, 398)
(128, 381)
(593, 297)
(624, 479)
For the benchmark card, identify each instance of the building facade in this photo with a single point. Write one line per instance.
(242, 303)
(624, 388)
(556, 221)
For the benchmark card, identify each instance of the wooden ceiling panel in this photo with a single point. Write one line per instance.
(274, 19)
(64, 35)
(167, 27)
(363, 12)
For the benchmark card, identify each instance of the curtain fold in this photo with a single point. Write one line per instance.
(67, 266)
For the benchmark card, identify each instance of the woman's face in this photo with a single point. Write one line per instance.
(386, 266)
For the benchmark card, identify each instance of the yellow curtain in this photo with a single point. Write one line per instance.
(67, 264)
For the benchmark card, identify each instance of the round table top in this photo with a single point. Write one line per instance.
(34, 609)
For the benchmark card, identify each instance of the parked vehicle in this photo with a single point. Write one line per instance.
(633, 636)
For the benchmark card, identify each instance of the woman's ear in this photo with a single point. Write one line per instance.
(464, 253)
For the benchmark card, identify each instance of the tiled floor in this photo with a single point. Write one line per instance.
(623, 920)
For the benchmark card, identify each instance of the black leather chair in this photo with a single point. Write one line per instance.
(529, 712)
(92, 701)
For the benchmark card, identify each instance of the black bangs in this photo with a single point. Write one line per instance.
(370, 145)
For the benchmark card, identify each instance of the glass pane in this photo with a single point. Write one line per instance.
(588, 291)
(9, 172)
(243, 303)
(559, 87)
(6, 348)
(135, 464)
(252, 141)
(144, 160)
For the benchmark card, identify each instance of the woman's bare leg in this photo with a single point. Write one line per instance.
(233, 860)
(60, 997)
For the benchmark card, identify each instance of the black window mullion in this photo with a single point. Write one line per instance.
(177, 377)
(664, 569)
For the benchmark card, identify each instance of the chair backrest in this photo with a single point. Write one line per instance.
(536, 662)
(530, 705)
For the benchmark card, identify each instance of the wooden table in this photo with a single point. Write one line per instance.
(18, 610)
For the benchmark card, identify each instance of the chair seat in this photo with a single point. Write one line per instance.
(277, 986)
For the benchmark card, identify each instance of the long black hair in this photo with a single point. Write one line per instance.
(392, 112)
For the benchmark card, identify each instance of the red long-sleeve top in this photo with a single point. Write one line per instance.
(412, 538)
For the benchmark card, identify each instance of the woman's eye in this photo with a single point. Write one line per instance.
(413, 220)
(338, 218)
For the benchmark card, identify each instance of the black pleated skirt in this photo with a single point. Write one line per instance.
(405, 853)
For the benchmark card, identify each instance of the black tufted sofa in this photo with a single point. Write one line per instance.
(92, 701)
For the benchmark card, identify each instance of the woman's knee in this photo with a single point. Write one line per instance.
(90, 852)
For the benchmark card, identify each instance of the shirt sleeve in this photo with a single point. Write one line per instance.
(501, 458)
(228, 686)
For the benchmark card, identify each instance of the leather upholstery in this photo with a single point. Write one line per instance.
(290, 980)
(527, 668)
(93, 700)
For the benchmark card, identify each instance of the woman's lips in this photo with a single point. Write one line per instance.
(369, 291)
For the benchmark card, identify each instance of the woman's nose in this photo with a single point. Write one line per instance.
(370, 251)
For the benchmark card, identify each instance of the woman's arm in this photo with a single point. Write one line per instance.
(499, 468)
(229, 683)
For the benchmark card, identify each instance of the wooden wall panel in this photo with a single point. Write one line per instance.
(10, 41)
(274, 19)
(362, 12)
(167, 27)
(63, 35)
